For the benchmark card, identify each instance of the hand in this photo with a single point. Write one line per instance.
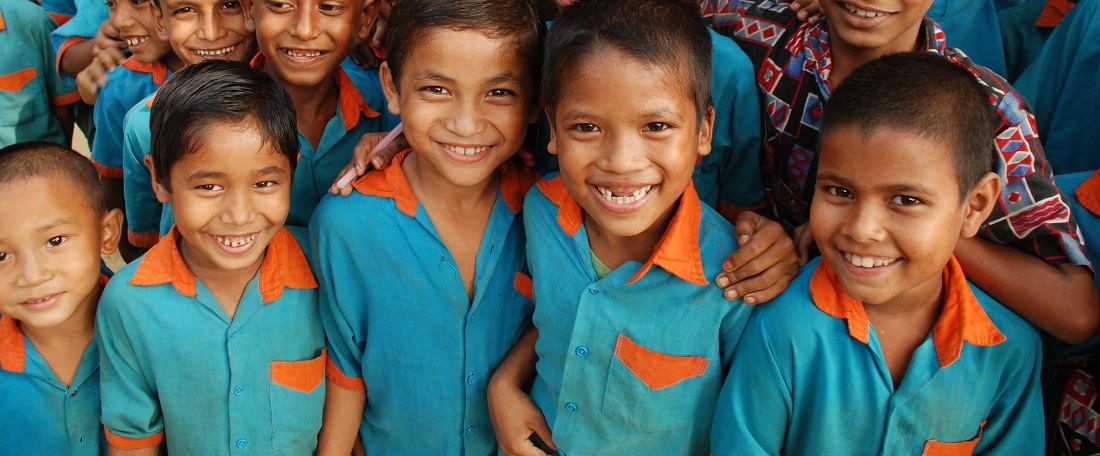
(808, 10)
(514, 419)
(94, 76)
(803, 240)
(764, 263)
(361, 153)
(106, 37)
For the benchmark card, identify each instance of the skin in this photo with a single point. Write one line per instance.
(887, 213)
(856, 41)
(133, 20)
(445, 106)
(195, 28)
(289, 32)
(234, 186)
(77, 57)
(49, 265)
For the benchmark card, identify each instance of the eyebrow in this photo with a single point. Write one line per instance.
(200, 175)
(895, 188)
(431, 76)
(56, 223)
(271, 170)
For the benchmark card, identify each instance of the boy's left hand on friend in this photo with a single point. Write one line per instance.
(764, 263)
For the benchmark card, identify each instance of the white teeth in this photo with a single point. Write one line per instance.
(624, 199)
(215, 53)
(131, 42)
(235, 241)
(300, 54)
(862, 12)
(468, 150)
(867, 262)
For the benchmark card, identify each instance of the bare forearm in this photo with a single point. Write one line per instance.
(1059, 299)
(77, 57)
(343, 413)
(519, 365)
(150, 451)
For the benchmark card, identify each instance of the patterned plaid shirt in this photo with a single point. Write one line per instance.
(793, 61)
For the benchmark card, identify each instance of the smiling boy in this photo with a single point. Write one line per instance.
(882, 346)
(229, 279)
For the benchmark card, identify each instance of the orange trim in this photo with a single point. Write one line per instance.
(935, 447)
(107, 171)
(351, 101)
(335, 375)
(132, 443)
(65, 99)
(284, 266)
(731, 211)
(1088, 193)
(515, 180)
(64, 47)
(962, 318)
(569, 212)
(390, 182)
(14, 82)
(257, 62)
(3, 26)
(303, 376)
(143, 240)
(149, 101)
(157, 69)
(13, 353)
(58, 18)
(524, 285)
(657, 370)
(1053, 12)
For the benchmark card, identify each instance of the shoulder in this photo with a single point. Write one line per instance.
(543, 201)
(349, 215)
(26, 19)
(1021, 337)
(119, 295)
(792, 314)
(727, 58)
(1002, 94)
(717, 240)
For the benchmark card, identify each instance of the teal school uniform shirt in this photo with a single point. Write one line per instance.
(41, 415)
(60, 10)
(631, 363)
(174, 365)
(973, 28)
(809, 377)
(79, 28)
(127, 85)
(29, 82)
(1061, 85)
(728, 179)
(398, 319)
(316, 170)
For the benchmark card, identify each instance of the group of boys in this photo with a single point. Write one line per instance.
(455, 302)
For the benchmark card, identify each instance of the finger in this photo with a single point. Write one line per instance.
(775, 254)
(541, 429)
(114, 57)
(525, 448)
(385, 156)
(803, 240)
(778, 284)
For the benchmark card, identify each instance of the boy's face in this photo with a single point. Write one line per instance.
(627, 140)
(134, 21)
(886, 212)
(465, 103)
(305, 40)
(50, 246)
(230, 197)
(892, 29)
(200, 30)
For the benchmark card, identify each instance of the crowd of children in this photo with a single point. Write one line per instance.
(637, 227)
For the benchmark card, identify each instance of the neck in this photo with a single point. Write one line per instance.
(74, 333)
(216, 278)
(615, 250)
(313, 101)
(918, 307)
(428, 184)
(846, 58)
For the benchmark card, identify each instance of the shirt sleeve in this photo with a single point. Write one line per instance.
(131, 413)
(754, 407)
(61, 90)
(1015, 423)
(109, 114)
(82, 27)
(143, 210)
(331, 249)
(737, 130)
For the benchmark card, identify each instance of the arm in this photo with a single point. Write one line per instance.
(763, 265)
(343, 413)
(142, 207)
(151, 451)
(515, 417)
(64, 115)
(75, 58)
(1065, 304)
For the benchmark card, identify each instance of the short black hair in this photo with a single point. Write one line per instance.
(922, 93)
(218, 92)
(498, 19)
(44, 159)
(668, 34)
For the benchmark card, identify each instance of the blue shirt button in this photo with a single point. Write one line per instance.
(571, 406)
(582, 351)
(241, 443)
(471, 379)
(238, 390)
(470, 431)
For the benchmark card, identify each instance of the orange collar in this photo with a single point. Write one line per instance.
(2, 25)
(351, 102)
(13, 354)
(157, 69)
(961, 319)
(284, 266)
(390, 182)
(1088, 193)
(678, 250)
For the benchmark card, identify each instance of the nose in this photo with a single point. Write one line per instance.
(239, 209)
(865, 223)
(305, 26)
(33, 270)
(211, 29)
(123, 16)
(622, 154)
(466, 118)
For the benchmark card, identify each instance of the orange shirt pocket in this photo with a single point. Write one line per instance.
(657, 370)
(935, 447)
(14, 82)
(302, 376)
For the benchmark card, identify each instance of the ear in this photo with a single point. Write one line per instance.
(706, 132)
(111, 227)
(979, 203)
(163, 195)
(249, 18)
(393, 98)
(370, 9)
(158, 24)
(552, 146)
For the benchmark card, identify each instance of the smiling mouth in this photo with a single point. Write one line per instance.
(41, 301)
(623, 197)
(214, 53)
(302, 54)
(235, 242)
(867, 262)
(867, 14)
(136, 41)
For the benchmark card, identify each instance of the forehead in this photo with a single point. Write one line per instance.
(196, 3)
(887, 156)
(610, 79)
(31, 203)
(468, 54)
(230, 149)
